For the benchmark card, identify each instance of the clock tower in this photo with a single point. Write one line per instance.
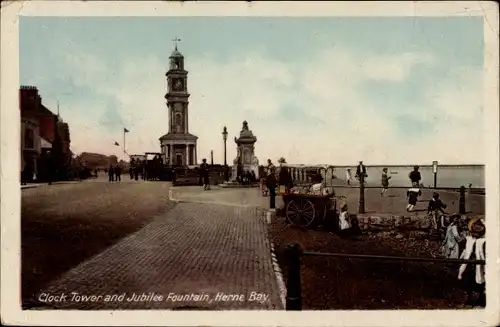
(178, 146)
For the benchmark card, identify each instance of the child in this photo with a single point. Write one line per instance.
(412, 195)
(385, 182)
(263, 187)
(348, 176)
(451, 244)
(344, 221)
(471, 275)
(436, 206)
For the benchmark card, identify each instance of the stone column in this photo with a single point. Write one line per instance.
(195, 155)
(187, 155)
(171, 153)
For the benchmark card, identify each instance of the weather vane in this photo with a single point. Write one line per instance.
(176, 40)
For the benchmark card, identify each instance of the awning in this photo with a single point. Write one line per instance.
(44, 144)
(150, 156)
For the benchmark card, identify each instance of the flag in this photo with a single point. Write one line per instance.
(116, 143)
(125, 130)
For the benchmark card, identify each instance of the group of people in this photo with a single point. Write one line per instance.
(471, 242)
(115, 173)
(269, 181)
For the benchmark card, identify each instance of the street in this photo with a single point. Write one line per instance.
(100, 245)
(65, 224)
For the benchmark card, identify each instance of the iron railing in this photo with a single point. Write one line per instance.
(294, 253)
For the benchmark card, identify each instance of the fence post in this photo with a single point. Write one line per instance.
(461, 201)
(361, 208)
(293, 283)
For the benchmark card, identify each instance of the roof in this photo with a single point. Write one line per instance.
(185, 136)
(45, 111)
(176, 54)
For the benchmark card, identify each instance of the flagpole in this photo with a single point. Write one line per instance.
(124, 156)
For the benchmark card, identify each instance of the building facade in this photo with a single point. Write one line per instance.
(178, 146)
(45, 138)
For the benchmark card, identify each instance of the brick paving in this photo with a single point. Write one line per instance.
(62, 225)
(194, 249)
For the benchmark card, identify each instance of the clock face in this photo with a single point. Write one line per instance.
(177, 83)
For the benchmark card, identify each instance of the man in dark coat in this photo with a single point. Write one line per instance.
(131, 168)
(361, 171)
(415, 177)
(285, 178)
(204, 175)
(118, 173)
(111, 173)
(271, 184)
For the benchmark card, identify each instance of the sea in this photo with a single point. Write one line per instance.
(448, 176)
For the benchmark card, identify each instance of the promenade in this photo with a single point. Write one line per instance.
(393, 204)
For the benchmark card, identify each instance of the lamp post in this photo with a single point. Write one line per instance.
(224, 137)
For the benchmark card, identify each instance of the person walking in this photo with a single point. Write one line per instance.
(385, 182)
(118, 173)
(131, 168)
(415, 177)
(111, 173)
(204, 175)
(136, 172)
(412, 195)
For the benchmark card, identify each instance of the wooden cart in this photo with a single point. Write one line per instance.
(304, 209)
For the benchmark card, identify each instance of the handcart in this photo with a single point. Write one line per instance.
(304, 209)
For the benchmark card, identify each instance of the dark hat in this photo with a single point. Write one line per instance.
(435, 195)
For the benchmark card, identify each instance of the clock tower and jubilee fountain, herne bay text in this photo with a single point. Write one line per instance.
(178, 146)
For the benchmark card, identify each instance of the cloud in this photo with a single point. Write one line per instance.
(331, 118)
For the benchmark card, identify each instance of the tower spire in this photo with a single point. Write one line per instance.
(58, 108)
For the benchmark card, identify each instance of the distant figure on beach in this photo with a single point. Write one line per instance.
(361, 172)
(415, 177)
(348, 176)
(412, 195)
(385, 182)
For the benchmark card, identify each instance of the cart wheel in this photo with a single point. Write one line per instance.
(300, 212)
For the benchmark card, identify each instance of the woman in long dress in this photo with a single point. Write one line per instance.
(451, 243)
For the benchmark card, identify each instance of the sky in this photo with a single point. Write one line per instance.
(315, 90)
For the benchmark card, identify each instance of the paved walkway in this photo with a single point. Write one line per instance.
(215, 256)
